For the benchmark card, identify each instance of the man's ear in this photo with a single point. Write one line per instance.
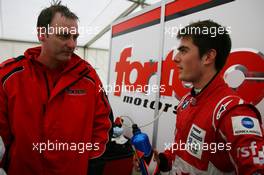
(209, 57)
(41, 33)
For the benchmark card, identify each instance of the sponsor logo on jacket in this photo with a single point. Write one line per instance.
(245, 125)
(75, 91)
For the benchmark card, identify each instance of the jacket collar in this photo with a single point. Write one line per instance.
(74, 65)
(215, 83)
(74, 70)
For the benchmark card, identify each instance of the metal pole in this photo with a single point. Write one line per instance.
(156, 112)
(107, 28)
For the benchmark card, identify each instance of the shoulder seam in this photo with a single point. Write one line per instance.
(11, 60)
(9, 74)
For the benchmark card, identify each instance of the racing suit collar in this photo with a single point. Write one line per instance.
(216, 82)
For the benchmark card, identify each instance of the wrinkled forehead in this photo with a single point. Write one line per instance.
(60, 20)
(63, 25)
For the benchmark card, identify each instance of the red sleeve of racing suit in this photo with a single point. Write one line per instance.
(5, 134)
(166, 159)
(242, 128)
(102, 123)
(168, 156)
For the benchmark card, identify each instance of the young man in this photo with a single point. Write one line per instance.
(217, 132)
(54, 116)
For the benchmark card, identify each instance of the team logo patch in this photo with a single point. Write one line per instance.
(246, 125)
(75, 91)
(195, 141)
(247, 122)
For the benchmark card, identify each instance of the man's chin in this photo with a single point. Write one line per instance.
(64, 58)
(181, 78)
(184, 79)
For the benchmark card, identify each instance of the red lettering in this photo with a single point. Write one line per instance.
(124, 69)
(252, 63)
(171, 83)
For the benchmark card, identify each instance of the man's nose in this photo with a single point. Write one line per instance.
(71, 43)
(176, 58)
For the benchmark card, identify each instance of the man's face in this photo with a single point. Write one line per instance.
(61, 39)
(188, 61)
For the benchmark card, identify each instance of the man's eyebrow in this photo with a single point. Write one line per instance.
(182, 47)
(68, 33)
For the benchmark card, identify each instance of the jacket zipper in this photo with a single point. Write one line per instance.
(47, 84)
(48, 92)
(44, 108)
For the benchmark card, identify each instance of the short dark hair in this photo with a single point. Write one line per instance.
(204, 40)
(46, 15)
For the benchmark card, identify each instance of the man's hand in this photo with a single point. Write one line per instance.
(136, 160)
(136, 163)
(156, 156)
